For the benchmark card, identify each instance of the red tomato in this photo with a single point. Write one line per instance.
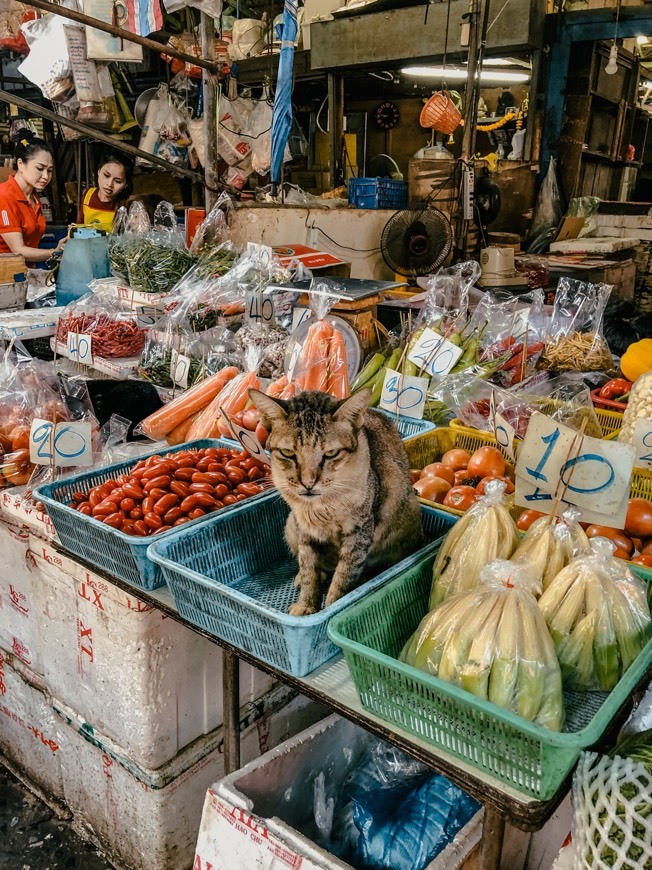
(621, 554)
(481, 487)
(639, 518)
(645, 559)
(250, 419)
(432, 488)
(460, 497)
(456, 459)
(509, 472)
(638, 544)
(438, 469)
(461, 476)
(415, 474)
(487, 462)
(527, 518)
(261, 434)
(621, 541)
(646, 548)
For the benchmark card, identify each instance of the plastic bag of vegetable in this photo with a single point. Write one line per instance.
(484, 533)
(492, 641)
(598, 617)
(447, 296)
(157, 260)
(612, 804)
(550, 544)
(575, 340)
(114, 332)
(116, 245)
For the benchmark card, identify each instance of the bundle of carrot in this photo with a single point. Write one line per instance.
(174, 420)
(322, 363)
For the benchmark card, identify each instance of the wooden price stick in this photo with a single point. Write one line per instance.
(579, 441)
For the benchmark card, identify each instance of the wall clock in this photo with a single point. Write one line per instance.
(386, 115)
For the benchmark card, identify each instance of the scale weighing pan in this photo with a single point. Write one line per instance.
(351, 289)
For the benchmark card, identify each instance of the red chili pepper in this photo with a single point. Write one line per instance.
(615, 388)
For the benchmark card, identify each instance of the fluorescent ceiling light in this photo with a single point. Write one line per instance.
(646, 84)
(642, 40)
(459, 75)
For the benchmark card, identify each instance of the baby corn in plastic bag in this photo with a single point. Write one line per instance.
(549, 545)
(484, 533)
(598, 617)
(493, 642)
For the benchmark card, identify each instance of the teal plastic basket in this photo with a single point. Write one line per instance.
(234, 577)
(526, 757)
(124, 556)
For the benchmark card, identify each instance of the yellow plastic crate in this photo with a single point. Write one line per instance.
(611, 422)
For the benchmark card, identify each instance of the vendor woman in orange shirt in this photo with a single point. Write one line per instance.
(114, 186)
(22, 224)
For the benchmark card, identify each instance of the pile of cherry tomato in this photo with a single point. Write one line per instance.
(162, 492)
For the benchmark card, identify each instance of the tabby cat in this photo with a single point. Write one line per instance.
(343, 470)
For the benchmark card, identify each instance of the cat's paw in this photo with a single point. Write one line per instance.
(299, 609)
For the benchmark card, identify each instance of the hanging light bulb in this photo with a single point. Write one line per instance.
(612, 67)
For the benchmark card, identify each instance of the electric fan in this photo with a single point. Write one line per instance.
(415, 243)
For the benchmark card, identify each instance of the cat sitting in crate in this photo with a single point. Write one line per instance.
(343, 470)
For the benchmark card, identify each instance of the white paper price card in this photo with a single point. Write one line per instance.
(299, 314)
(642, 441)
(179, 369)
(64, 445)
(260, 307)
(404, 394)
(80, 348)
(590, 473)
(246, 438)
(504, 432)
(521, 323)
(434, 354)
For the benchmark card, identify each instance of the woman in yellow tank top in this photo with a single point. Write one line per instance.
(114, 185)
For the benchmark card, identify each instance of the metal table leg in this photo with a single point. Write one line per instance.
(231, 694)
(491, 844)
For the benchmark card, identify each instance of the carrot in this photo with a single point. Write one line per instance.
(289, 392)
(338, 370)
(313, 360)
(171, 415)
(235, 397)
(276, 387)
(180, 433)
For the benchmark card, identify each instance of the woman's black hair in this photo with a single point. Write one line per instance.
(110, 156)
(28, 145)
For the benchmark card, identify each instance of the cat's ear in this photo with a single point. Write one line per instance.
(271, 410)
(352, 409)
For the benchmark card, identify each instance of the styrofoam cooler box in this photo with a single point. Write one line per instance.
(28, 726)
(18, 620)
(146, 681)
(252, 817)
(145, 818)
(16, 510)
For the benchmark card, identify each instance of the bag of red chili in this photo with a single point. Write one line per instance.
(113, 332)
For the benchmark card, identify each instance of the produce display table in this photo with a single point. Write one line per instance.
(332, 686)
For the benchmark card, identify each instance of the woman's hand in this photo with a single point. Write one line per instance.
(59, 247)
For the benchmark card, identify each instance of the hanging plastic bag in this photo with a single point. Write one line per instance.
(584, 207)
(484, 533)
(493, 642)
(173, 137)
(158, 260)
(547, 212)
(48, 63)
(12, 16)
(575, 341)
(154, 117)
(598, 617)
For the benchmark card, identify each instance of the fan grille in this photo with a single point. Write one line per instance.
(415, 243)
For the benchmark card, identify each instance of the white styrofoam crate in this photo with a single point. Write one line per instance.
(15, 510)
(28, 726)
(18, 621)
(150, 818)
(13, 295)
(251, 817)
(146, 681)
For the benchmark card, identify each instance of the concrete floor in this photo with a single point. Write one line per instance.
(32, 837)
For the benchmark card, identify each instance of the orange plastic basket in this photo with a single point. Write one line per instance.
(440, 113)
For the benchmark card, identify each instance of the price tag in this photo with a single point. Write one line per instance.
(404, 394)
(246, 438)
(530, 496)
(64, 445)
(593, 474)
(147, 315)
(296, 352)
(642, 441)
(434, 354)
(504, 432)
(179, 369)
(299, 315)
(260, 307)
(80, 348)
(521, 322)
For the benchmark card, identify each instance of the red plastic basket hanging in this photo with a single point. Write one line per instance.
(440, 113)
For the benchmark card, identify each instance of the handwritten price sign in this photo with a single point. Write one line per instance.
(64, 445)
(179, 369)
(260, 307)
(590, 473)
(434, 354)
(504, 432)
(80, 348)
(404, 394)
(246, 438)
(642, 441)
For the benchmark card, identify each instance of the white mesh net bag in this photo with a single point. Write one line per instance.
(612, 822)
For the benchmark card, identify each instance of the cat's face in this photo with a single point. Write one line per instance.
(313, 440)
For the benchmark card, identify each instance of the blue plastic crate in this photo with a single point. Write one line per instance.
(234, 577)
(124, 556)
(378, 193)
(407, 426)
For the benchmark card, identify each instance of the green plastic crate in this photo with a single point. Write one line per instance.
(503, 745)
